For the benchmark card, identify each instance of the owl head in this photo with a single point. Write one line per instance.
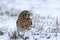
(25, 14)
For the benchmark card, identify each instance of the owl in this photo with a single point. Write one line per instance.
(24, 21)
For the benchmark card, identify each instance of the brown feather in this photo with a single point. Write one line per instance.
(24, 21)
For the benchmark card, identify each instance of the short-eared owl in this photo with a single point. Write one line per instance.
(24, 21)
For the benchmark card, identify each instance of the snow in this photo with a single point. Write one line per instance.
(44, 14)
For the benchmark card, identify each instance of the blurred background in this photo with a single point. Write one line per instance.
(45, 17)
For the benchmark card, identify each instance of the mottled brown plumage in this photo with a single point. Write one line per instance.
(24, 21)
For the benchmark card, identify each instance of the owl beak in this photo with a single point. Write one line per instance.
(27, 15)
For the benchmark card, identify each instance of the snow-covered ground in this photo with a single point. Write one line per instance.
(45, 18)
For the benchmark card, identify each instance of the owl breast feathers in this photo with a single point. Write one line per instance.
(24, 21)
